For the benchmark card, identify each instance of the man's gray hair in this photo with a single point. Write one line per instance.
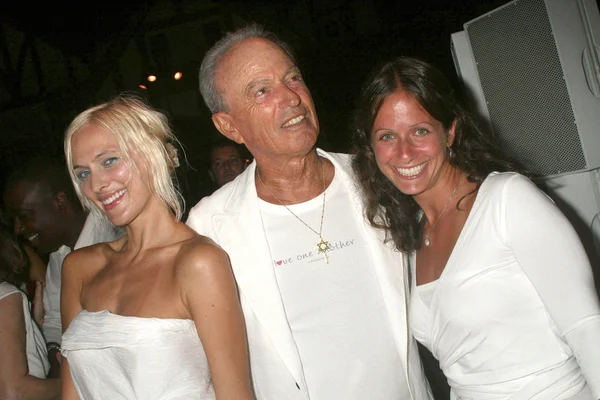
(212, 98)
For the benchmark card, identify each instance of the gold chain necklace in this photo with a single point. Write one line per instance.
(426, 236)
(322, 245)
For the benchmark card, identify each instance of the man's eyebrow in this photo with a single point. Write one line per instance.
(254, 84)
(264, 81)
(293, 69)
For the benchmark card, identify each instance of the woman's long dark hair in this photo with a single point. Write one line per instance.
(473, 151)
(13, 259)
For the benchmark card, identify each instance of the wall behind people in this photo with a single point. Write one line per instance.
(337, 41)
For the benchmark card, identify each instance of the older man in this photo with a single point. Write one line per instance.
(324, 299)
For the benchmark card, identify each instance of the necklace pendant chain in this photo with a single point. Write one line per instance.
(323, 245)
(426, 240)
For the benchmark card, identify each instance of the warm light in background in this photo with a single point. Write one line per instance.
(151, 78)
(142, 86)
(177, 76)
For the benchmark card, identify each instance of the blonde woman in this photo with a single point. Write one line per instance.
(155, 314)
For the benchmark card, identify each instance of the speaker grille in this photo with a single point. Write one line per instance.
(526, 94)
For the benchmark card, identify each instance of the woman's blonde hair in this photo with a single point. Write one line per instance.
(138, 129)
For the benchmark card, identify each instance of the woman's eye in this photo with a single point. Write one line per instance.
(421, 131)
(386, 136)
(81, 175)
(109, 161)
(260, 92)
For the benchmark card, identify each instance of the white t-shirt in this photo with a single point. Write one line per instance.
(335, 310)
(37, 356)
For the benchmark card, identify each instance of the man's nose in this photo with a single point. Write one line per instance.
(289, 97)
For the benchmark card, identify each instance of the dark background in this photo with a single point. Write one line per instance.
(337, 43)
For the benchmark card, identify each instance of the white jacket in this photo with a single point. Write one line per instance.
(231, 217)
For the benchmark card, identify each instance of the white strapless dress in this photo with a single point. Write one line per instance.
(115, 357)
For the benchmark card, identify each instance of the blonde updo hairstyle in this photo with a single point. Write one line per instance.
(138, 129)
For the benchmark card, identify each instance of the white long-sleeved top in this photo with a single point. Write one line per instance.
(514, 313)
(91, 233)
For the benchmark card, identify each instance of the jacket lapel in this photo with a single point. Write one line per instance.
(240, 232)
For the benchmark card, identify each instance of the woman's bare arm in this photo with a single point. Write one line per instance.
(15, 381)
(70, 306)
(210, 294)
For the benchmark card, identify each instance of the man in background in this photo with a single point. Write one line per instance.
(226, 161)
(46, 214)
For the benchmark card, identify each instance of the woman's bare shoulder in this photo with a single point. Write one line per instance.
(88, 260)
(200, 248)
(204, 273)
(200, 254)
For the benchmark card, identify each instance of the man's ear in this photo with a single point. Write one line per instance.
(211, 175)
(61, 201)
(224, 123)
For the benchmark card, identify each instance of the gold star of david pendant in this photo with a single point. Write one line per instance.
(323, 246)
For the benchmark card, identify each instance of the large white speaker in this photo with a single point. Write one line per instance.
(532, 71)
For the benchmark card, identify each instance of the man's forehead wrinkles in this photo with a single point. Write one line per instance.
(268, 77)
